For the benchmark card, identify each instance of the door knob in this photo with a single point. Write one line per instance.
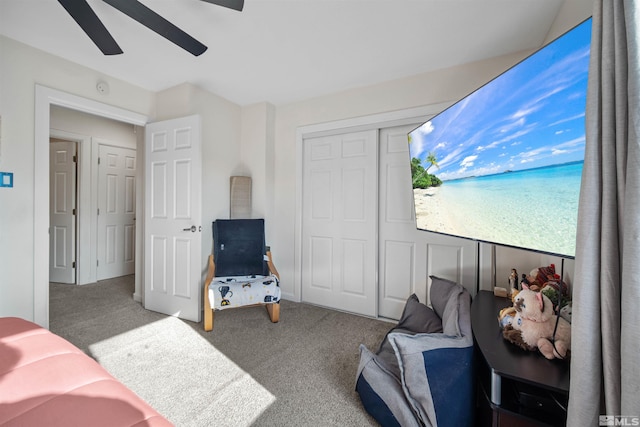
(191, 229)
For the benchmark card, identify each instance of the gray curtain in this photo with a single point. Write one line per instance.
(605, 354)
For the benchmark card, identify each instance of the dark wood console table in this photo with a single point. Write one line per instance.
(515, 387)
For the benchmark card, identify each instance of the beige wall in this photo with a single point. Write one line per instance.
(106, 130)
(257, 155)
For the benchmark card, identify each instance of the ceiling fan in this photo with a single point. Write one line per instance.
(82, 13)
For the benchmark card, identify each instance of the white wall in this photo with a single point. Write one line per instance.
(118, 133)
(21, 68)
(256, 153)
(499, 260)
(572, 13)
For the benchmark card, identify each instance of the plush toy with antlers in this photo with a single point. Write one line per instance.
(534, 324)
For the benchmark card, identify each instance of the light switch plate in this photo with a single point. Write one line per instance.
(6, 179)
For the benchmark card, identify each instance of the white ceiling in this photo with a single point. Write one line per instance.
(282, 51)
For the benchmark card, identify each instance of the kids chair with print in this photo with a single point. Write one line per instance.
(241, 271)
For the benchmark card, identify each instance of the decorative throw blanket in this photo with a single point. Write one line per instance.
(227, 292)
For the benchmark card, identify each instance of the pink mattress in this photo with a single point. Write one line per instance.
(46, 380)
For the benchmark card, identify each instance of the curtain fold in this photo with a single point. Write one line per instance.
(630, 328)
(605, 371)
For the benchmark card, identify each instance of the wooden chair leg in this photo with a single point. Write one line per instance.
(208, 320)
(274, 312)
(208, 312)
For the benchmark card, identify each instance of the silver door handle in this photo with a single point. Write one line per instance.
(191, 229)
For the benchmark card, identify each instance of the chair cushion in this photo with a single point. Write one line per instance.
(381, 392)
(237, 291)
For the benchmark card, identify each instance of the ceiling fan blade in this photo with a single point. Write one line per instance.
(157, 23)
(231, 4)
(82, 13)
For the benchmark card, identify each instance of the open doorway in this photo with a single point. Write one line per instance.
(92, 177)
(46, 99)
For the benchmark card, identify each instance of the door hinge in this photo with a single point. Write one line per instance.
(98, 211)
(98, 160)
(75, 159)
(73, 264)
(73, 212)
(97, 263)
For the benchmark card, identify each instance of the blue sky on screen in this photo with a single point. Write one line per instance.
(530, 116)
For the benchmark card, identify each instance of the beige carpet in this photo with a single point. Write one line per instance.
(248, 371)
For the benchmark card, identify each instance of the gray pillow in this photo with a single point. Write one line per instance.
(418, 318)
(464, 314)
(441, 290)
(450, 316)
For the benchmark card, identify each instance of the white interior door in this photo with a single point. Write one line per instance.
(399, 266)
(173, 217)
(116, 211)
(62, 218)
(339, 221)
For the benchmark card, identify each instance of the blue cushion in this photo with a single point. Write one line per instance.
(239, 247)
(437, 376)
(381, 392)
(449, 369)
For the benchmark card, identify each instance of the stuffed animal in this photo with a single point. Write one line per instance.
(506, 315)
(534, 323)
(546, 277)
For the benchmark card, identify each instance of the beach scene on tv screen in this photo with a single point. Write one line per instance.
(504, 164)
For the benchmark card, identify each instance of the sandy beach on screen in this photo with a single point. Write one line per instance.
(431, 212)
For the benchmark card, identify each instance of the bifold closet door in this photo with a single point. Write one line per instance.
(402, 266)
(339, 221)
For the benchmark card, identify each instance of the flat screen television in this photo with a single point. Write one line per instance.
(504, 164)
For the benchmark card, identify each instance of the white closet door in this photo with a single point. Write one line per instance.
(116, 211)
(408, 256)
(339, 222)
(62, 217)
(399, 253)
